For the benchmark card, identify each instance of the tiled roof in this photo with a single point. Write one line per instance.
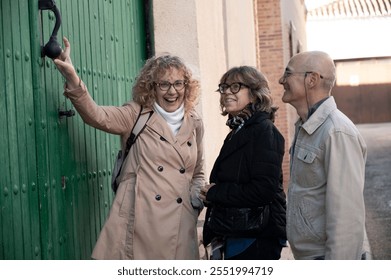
(352, 8)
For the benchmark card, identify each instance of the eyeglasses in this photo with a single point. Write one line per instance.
(178, 85)
(234, 87)
(288, 73)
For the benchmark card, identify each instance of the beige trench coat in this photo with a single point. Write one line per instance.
(152, 216)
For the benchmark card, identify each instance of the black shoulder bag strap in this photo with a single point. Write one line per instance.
(138, 127)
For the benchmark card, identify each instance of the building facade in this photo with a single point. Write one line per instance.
(354, 33)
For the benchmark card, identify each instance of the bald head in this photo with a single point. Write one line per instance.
(317, 61)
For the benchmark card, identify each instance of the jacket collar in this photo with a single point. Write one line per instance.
(257, 118)
(319, 116)
(160, 126)
(232, 144)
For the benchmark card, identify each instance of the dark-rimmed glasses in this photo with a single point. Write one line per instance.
(288, 73)
(178, 85)
(234, 87)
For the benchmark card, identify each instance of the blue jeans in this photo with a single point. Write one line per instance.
(261, 249)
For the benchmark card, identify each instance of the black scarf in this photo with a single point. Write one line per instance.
(236, 122)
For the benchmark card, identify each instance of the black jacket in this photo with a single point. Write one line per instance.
(247, 173)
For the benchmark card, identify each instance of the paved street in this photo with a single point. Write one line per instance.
(378, 188)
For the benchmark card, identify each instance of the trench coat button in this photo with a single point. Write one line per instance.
(182, 170)
(179, 200)
(189, 143)
(162, 138)
(160, 168)
(158, 197)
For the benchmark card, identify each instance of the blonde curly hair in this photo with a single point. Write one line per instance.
(144, 88)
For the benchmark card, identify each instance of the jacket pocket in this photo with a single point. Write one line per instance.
(306, 156)
(308, 168)
(127, 197)
(306, 227)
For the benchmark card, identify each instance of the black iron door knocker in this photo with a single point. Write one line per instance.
(52, 48)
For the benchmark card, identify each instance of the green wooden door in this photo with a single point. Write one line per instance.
(55, 193)
(19, 203)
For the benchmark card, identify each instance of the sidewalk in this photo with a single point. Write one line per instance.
(286, 253)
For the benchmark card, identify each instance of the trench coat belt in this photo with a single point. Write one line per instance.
(125, 177)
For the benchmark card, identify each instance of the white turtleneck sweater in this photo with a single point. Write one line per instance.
(174, 119)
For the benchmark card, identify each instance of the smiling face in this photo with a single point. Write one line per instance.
(234, 103)
(170, 100)
(293, 81)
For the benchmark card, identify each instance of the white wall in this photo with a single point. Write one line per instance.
(366, 72)
(351, 38)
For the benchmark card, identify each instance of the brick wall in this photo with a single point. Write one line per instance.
(271, 53)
